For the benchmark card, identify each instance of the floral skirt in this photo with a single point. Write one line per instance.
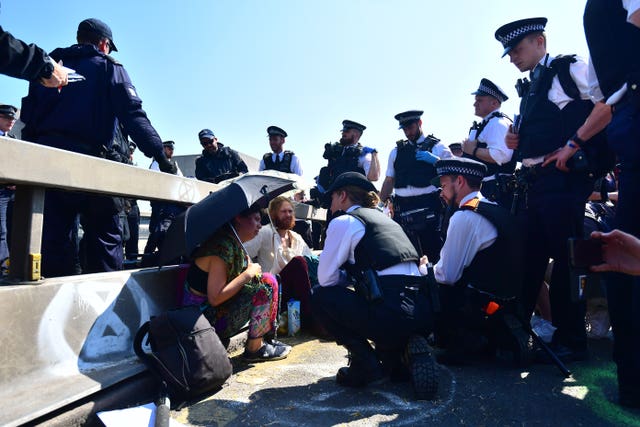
(257, 303)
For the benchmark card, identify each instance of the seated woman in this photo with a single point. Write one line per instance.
(232, 290)
(282, 251)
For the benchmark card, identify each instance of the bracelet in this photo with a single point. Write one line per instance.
(575, 138)
(572, 145)
(475, 150)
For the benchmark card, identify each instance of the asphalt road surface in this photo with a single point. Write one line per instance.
(301, 391)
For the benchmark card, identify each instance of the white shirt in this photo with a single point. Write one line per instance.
(468, 233)
(343, 235)
(267, 248)
(439, 149)
(155, 167)
(493, 135)
(296, 167)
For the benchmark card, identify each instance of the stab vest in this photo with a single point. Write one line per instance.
(283, 166)
(341, 159)
(384, 244)
(612, 41)
(410, 171)
(498, 268)
(544, 126)
(492, 168)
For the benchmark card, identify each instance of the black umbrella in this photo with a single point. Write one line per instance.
(193, 227)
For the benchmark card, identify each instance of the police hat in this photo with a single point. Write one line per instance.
(8, 110)
(512, 33)
(275, 130)
(98, 28)
(488, 88)
(355, 179)
(206, 134)
(168, 144)
(349, 124)
(458, 166)
(408, 117)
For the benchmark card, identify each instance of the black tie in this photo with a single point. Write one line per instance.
(277, 159)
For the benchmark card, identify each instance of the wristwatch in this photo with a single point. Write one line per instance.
(577, 140)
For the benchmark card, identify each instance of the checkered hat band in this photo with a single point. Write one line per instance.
(460, 170)
(509, 37)
(490, 91)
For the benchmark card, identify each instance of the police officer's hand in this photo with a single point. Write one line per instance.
(427, 157)
(367, 150)
(560, 157)
(166, 166)
(468, 146)
(512, 139)
(59, 77)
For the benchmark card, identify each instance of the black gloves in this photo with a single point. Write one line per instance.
(166, 166)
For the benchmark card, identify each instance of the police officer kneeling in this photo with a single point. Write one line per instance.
(369, 250)
(480, 263)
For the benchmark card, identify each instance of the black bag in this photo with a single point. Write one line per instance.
(186, 352)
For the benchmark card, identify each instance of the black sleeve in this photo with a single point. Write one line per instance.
(20, 60)
(241, 166)
(128, 107)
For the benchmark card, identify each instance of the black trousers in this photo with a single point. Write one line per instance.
(422, 227)
(389, 323)
(554, 213)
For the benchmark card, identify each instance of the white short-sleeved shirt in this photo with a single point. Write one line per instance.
(154, 166)
(493, 135)
(439, 149)
(296, 166)
(343, 235)
(468, 233)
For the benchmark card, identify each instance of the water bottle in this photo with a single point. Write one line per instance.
(293, 312)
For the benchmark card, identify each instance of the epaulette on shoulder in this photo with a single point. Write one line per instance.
(400, 142)
(431, 137)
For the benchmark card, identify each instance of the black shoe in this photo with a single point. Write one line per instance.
(359, 376)
(424, 374)
(517, 340)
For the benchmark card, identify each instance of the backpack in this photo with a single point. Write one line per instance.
(186, 352)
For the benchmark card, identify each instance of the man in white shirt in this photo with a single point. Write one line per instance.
(481, 253)
(279, 159)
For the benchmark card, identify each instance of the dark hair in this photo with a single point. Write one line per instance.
(255, 208)
(474, 182)
(89, 38)
(360, 196)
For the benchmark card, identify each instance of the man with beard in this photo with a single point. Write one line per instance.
(279, 159)
(280, 250)
(217, 162)
(348, 155)
(417, 207)
(486, 143)
(481, 235)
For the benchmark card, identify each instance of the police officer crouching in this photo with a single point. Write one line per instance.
(480, 263)
(389, 306)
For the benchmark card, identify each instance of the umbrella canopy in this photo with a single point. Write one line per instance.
(200, 221)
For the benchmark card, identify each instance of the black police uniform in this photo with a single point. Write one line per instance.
(403, 311)
(555, 200)
(610, 39)
(82, 118)
(23, 61)
(223, 164)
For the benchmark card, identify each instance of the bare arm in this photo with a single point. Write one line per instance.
(620, 251)
(387, 188)
(218, 289)
(374, 168)
(469, 147)
(635, 18)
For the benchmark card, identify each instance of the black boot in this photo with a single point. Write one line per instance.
(424, 374)
(364, 367)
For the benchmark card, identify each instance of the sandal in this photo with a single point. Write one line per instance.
(268, 352)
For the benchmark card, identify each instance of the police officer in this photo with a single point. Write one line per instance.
(29, 62)
(217, 162)
(613, 30)
(168, 148)
(416, 203)
(7, 120)
(392, 318)
(348, 155)
(83, 119)
(482, 249)
(486, 143)
(279, 159)
(554, 104)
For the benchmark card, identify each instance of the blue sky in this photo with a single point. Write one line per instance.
(237, 67)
